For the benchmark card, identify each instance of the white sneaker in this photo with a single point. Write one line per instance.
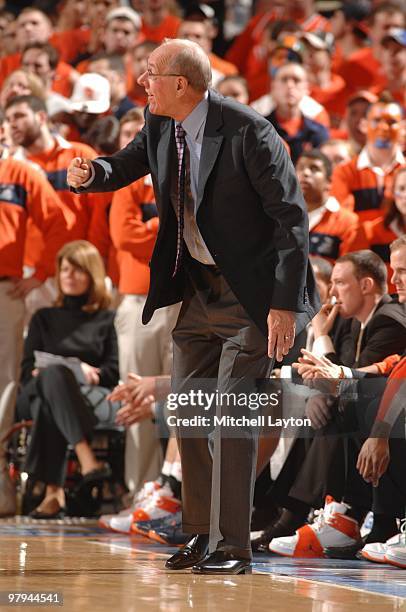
(121, 522)
(331, 528)
(105, 519)
(396, 553)
(7, 494)
(160, 505)
(376, 551)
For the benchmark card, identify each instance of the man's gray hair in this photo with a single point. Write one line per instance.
(190, 61)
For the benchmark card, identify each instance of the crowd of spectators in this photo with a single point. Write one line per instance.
(331, 78)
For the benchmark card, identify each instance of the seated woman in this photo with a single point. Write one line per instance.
(81, 326)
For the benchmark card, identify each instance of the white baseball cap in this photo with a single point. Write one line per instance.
(125, 12)
(91, 94)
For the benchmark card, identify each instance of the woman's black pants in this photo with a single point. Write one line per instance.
(61, 416)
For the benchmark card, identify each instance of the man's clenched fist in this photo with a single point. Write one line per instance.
(79, 172)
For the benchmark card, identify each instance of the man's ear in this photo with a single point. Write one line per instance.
(181, 85)
(367, 284)
(42, 116)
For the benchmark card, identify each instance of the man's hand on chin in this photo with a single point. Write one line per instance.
(281, 332)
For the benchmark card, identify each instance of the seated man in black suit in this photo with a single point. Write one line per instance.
(377, 329)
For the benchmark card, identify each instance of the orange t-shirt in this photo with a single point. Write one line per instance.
(168, 28)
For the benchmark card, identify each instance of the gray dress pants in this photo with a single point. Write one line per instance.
(217, 346)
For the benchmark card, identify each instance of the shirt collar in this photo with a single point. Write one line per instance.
(316, 215)
(364, 161)
(369, 317)
(194, 122)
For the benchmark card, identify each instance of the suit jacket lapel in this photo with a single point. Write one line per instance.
(165, 149)
(211, 143)
(164, 154)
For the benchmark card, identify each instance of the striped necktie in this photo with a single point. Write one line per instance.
(180, 145)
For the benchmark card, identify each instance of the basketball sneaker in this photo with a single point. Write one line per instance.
(331, 528)
(161, 504)
(391, 551)
(122, 521)
(144, 527)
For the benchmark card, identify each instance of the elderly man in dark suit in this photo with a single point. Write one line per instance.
(233, 245)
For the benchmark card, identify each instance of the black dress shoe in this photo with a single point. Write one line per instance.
(345, 552)
(94, 476)
(222, 562)
(193, 552)
(277, 529)
(47, 516)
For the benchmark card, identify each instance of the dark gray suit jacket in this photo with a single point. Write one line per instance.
(251, 211)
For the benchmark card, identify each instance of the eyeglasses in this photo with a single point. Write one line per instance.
(152, 75)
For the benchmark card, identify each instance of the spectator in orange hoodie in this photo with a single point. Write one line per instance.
(24, 194)
(29, 129)
(143, 350)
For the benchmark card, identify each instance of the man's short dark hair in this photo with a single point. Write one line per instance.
(323, 266)
(233, 78)
(115, 61)
(367, 263)
(134, 114)
(149, 45)
(316, 154)
(49, 50)
(35, 103)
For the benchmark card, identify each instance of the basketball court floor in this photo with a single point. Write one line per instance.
(93, 570)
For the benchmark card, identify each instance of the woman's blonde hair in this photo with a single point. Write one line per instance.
(84, 255)
(34, 82)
